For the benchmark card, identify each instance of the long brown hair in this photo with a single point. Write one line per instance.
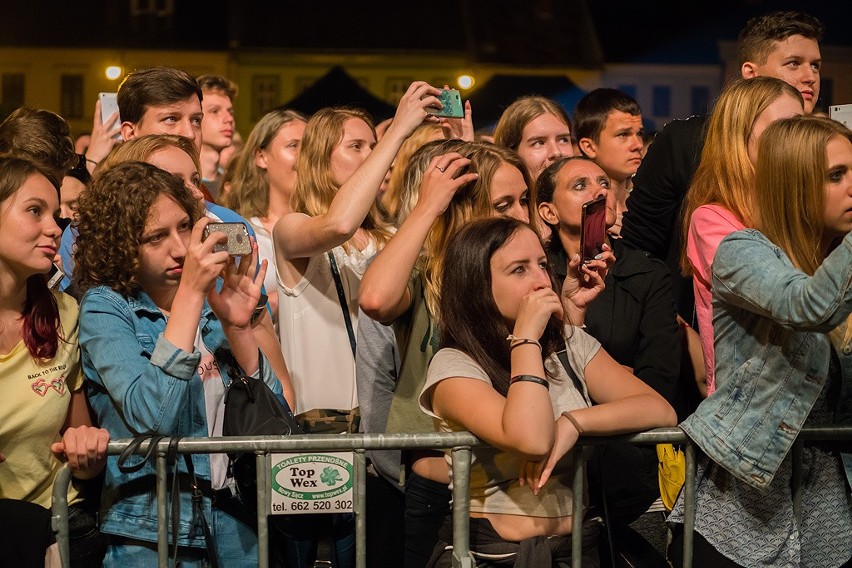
(40, 326)
(315, 187)
(725, 174)
(471, 321)
(249, 193)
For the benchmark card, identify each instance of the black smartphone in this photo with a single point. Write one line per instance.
(238, 243)
(452, 105)
(593, 233)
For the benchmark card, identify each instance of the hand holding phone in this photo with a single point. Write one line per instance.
(452, 105)
(109, 106)
(593, 230)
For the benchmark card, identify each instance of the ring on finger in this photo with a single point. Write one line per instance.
(442, 170)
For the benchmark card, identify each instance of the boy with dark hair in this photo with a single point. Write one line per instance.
(608, 127)
(217, 127)
(160, 100)
(784, 45)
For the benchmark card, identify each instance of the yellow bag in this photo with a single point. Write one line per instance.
(672, 473)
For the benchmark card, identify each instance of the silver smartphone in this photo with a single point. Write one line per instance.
(109, 106)
(842, 114)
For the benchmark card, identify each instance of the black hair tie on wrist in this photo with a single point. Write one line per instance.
(529, 379)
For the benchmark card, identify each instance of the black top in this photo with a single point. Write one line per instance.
(652, 221)
(634, 318)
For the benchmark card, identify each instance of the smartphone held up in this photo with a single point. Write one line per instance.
(451, 102)
(239, 243)
(593, 233)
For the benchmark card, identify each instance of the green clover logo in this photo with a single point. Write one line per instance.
(330, 476)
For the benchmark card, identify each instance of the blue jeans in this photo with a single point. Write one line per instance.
(234, 541)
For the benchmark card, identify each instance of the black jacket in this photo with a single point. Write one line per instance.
(652, 221)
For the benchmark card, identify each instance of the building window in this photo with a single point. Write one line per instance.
(700, 100)
(662, 101)
(628, 89)
(13, 90)
(266, 92)
(71, 96)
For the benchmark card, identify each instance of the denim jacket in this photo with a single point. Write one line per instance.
(139, 383)
(772, 352)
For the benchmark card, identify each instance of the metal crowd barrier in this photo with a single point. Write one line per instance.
(460, 443)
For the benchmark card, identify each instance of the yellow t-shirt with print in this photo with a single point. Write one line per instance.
(35, 400)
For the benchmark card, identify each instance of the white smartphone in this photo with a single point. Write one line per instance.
(109, 106)
(842, 114)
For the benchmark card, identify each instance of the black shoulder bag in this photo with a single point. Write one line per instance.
(251, 409)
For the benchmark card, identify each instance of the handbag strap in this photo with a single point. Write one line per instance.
(131, 449)
(197, 504)
(341, 297)
(578, 384)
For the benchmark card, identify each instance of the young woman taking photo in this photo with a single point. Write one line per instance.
(164, 318)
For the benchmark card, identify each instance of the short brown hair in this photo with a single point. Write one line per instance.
(218, 83)
(156, 86)
(42, 137)
(111, 219)
(592, 110)
(757, 39)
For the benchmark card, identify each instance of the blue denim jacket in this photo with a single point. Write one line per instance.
(772, 352)
(139, 383)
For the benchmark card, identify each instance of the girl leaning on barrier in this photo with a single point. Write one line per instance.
(782, 299)
(159, 308)
(498, 374)
(44, 417)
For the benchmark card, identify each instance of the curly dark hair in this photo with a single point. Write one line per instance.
(111, 219)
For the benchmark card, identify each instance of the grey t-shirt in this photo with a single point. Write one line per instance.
(494, 484)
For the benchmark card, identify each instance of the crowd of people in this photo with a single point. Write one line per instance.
(418, 276)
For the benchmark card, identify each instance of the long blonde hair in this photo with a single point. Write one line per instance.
(725, 175)
(472, 201)
(249, 193)
(790, 182)
(315, 187)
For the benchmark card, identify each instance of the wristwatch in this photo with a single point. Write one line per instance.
(259, 309)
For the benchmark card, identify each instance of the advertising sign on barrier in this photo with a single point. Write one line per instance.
(311, 483)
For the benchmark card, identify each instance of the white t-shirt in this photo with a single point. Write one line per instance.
(214, 403)
(494, 484)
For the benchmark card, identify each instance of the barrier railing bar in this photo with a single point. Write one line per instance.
(689, 505)
(577, 513)
(461, 507)
(59, 513)
(460, 442)
(162, 510)
(796, 480)
(360, 506)
(260, 461)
